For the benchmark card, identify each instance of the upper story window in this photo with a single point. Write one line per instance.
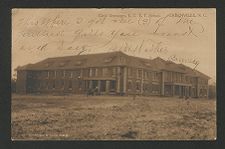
(59, 73)
(146, 75)
(63, 63)
(122, 59)
(51, 74)
(108, 59)
(168, 76)
(155, 76)
(69, 74)
(48, 64)
(178, 77)
(80, 62)
(182, 78)
(48, 74)
(186, 79)
(93, 72)
(77, 73)
(139, 73)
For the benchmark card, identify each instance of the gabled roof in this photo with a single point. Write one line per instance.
(167, 65)
(171, 66)
(90, 60)
(117, 58)
(77, 61)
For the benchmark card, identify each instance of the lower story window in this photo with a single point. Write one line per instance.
(129, 86)
(155, 89)
(112, 85)
(138, 85)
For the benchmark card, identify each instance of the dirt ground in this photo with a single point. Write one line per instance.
(112, 118)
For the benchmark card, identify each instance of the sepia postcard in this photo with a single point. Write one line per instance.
(113, 74)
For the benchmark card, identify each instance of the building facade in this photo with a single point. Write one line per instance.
(112, 73)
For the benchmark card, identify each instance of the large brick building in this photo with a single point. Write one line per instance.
(112, 73)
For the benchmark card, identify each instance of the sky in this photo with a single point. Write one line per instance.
(185, 36)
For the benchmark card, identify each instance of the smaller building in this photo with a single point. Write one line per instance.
(111, 73)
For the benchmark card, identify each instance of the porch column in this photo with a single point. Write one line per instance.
(118, 80)
(207, 93)
(197, 88)
(180, 91)
(90, 73)
(125, 80)
(99, 85)
(142, 80)
(173, 90)
(90, 84)
(107, 86)
(162, 84)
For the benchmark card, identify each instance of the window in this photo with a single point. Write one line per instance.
(182, 78)
(138, 86)
(63, 63)
(112, 85)
(48, 74)
(51, 74)
(155, 89)
(77, 63)
(108, 59)
(178, 77)
(96, 72)
(145, 87)
(48, 64)
(103, 86)
(139, 73)
(129, 86)
(155, 76)
(90, 72)
(146, 75)
(187, 79)
(174, 76)
(76, 73)
(59, 73)
(93, 72)
(79, 85)
(149, 75)
(168, 76)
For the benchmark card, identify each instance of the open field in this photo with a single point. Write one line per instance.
(112, 118)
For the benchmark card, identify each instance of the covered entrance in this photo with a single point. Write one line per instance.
(182, 90)
(102, 86)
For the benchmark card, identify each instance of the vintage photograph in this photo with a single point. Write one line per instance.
(113, 74)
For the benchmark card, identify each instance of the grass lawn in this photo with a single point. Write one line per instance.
(112, 118)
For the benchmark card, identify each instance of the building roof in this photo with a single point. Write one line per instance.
(117, 58)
